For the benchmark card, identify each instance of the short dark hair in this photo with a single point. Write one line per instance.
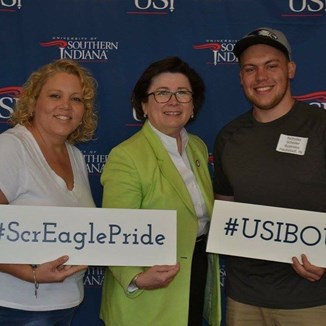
(172, 65)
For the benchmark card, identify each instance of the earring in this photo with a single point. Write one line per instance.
(145, 115)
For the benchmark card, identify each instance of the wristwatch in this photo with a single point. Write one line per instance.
(133, 286)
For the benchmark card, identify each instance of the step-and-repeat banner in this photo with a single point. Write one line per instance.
(118, 39)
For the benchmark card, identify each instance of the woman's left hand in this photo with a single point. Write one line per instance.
(306, 270)
(56, 271)
(158, 276)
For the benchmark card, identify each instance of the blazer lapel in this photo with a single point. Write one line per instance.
(168, 169)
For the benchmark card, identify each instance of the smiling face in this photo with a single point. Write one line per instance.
(59, 108)
(169, 118)
(265, 76)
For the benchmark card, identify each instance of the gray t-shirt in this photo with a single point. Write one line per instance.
(250, 166)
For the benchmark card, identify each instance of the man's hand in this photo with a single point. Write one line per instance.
(306, 270)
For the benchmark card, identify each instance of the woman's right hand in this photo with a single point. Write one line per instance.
(158, 276)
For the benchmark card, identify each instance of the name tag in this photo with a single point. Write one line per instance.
(292, 144)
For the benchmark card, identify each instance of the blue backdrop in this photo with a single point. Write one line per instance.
(117, 40)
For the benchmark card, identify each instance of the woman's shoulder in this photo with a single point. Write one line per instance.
(74, 149)
(15, 136)
(14, 145)
(196, 140)
(134, 143)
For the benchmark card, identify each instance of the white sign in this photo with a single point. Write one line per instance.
(268, 233)
(89, 236)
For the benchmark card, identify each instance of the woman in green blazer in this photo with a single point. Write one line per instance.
(164, 167)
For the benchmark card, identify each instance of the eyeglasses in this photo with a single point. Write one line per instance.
(165, 96)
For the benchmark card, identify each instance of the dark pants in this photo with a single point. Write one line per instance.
(197, 283)
(15, 317)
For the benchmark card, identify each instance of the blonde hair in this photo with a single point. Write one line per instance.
(23, 111)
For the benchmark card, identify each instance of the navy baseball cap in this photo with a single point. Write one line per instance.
(263, 35)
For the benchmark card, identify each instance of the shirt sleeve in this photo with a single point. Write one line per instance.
(12, 176)
(121, 181)
(122, 189)
(221, 182)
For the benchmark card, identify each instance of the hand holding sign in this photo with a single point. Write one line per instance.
(306, 270)
(270, 233)
(157, 277)
(56, 271)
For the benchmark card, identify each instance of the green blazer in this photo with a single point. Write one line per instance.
(140, 174)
